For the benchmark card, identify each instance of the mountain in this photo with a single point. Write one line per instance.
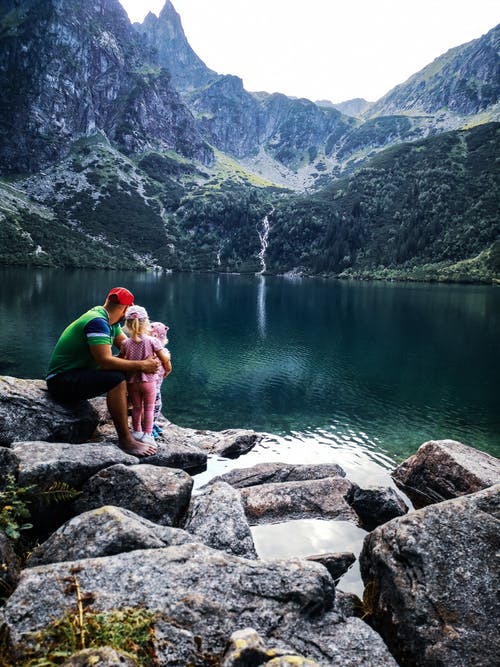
(463, 81)
(421, 210)
(70, 68)
(109, 159)
(356, 107)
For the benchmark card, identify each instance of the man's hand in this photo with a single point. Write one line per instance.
(150, 365)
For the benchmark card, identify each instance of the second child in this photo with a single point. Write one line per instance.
(141, 387)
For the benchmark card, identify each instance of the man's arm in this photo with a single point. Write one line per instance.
(104, 358)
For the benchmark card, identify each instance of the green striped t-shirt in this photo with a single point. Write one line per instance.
(72, 350)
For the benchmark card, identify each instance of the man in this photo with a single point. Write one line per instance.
(83, 366)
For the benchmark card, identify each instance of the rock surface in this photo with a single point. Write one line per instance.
(230, 443)
(444, 469)
(432, 575)
(44, 463)
(158, 494)
(9, 566)
(377, 505)
(337, 564)
(28, 413)
(104, 532)
(8, 466)
(100, 657)
(217, 518)
(246, 648)
(313, 499)
(201, 596)
(266, 473)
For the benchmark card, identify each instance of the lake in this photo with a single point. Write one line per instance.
(357, 373)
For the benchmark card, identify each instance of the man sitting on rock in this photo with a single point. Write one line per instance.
(83, 366)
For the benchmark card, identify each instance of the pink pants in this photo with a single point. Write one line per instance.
(142, 396)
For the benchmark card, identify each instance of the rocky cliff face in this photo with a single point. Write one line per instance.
(465, 80)
(69, 69)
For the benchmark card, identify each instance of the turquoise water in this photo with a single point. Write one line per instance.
(356, 372)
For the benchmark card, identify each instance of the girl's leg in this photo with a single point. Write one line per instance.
(135, 396)
(157, 409)
(148, 399)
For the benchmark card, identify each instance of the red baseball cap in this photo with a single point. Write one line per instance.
(123, 296)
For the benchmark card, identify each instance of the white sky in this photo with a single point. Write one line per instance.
(325, 49)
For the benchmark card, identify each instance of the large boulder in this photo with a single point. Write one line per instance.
(267, 473)
(326, 498)
(159, 494)
(217, 518)
(199, 596)
(444, 469)
(27, 412)
(432, 577)
(230, 443)
(44, 463)
(104, 532)
(175, 454)
(376, 504)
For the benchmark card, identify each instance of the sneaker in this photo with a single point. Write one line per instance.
(148, 439)
(157, 430)
(138, 435)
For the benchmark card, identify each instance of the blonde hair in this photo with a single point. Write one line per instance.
(137, 327)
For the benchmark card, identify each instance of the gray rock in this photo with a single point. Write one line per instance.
(158, 494)
(433, 574)
(313, 499)
(44, 463)
(337, 564)
(246, 649)
(104, 656)
(376, 505)
(444, 469)
(230, 443)
(28, 413)
(217, 518)
(266, 473)
(348, 604)
(200, 597)
(9, 566)
(104, 532)
(8, 466)
(177, 455)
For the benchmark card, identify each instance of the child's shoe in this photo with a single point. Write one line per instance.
(138, 435)
(157, 430)
(148, 439)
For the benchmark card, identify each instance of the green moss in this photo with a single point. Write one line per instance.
(129, 630)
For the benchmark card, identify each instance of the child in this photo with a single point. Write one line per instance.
(141, 387)
(159, 330)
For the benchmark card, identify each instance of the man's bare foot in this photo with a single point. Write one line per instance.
(137, 448)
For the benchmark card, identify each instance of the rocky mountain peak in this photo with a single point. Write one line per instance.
(165, 36)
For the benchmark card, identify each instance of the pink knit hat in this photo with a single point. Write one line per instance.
(159, 330)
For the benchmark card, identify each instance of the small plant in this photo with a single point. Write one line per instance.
(15, 502)
(367, 605)
(14, 508)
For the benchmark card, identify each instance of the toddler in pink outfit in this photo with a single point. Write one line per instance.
(141, 386)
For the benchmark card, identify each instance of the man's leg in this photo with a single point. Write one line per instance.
(117, 406)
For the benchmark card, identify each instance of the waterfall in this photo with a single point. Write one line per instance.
(263, 237)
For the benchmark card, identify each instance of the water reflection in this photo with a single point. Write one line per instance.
(308, 537)
(261, 305)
